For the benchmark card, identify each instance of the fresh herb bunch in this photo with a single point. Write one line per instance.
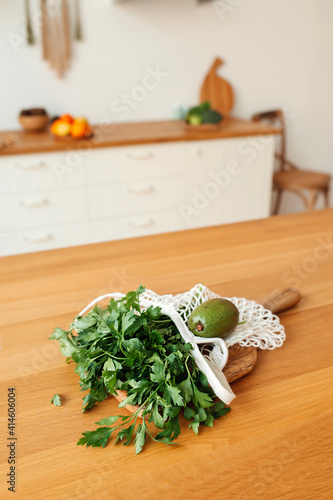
(141, 352)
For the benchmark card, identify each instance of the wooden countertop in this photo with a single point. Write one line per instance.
(277, 440)
(123, 134)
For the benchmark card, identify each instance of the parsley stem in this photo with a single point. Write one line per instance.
(187, 368)
(111, 355)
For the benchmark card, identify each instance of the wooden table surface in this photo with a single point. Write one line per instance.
(132, 133)
(276, 442)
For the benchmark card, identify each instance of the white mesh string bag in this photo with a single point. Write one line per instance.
(261, 329)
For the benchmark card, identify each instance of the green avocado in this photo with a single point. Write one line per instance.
(214, 318)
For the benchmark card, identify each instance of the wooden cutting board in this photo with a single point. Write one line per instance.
(217, 91)
(241, 360)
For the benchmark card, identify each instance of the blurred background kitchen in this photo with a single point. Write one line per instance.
(130, 68)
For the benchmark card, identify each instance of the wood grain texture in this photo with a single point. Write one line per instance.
(134, 133)
(281, 299)
(276, 443)
(241, 361)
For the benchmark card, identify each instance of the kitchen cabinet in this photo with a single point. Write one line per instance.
(54, 196)
(227, 182)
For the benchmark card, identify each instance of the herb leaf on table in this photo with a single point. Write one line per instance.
(122, 347)
(56, 400)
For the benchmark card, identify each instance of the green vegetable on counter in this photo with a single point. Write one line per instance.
(141, 352)
(56, 400)
(203, 114)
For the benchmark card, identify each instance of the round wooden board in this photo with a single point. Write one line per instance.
(241, 361)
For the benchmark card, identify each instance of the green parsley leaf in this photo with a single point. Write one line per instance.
(220, 409)
(56, 400)
(201, 398)
(195, 427)
(186, 389)
(140, 437)
(126, 433)
(58, 333)
(108, 420)
(110, 379)
(85, 322)
(153, 312)
(157, 417)
(174, 393)
(96, 438)
(112, 365)
(209, 420)
(67, 346)
(171, 430)
(88, 402)
(158, 370)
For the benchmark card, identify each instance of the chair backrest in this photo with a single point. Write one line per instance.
(275, 118)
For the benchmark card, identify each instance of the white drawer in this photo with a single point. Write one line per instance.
(135, 162)
(36, 240)
(136, 225)
(43, 209)
(36, 172)
(135, 197)
(202, 157)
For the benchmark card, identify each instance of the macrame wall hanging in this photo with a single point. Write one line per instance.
(54, 23)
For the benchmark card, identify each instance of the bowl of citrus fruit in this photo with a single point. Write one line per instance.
(67, 127)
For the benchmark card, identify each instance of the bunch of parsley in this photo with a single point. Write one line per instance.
(141, 352)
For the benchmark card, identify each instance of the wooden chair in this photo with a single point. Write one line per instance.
(305, 183)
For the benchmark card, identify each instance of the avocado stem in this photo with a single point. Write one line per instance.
(199, 327)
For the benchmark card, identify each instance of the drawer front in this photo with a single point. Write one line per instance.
(35, 240)
(203, 157)
(136, 225)
(135, 162)
(135, 197)
(42, 209)
(36, 172)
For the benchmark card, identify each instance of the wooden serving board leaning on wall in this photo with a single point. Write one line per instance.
(217, 91)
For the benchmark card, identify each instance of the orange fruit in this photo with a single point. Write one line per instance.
(79, 128)
(60, 128)
(81, 119)
(67, 118)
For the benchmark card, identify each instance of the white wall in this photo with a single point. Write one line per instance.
(278, 53)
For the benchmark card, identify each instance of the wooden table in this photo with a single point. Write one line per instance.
(277, 440)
